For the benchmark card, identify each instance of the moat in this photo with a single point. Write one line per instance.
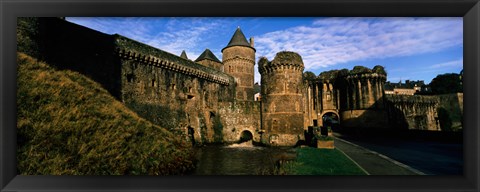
(238, 159)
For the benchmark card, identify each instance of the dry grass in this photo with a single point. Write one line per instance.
(69, 125)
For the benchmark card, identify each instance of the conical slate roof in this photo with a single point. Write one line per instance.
(184, 55)
(207, 54)
(238, 39)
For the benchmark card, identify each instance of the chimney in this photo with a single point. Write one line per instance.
(251, 42)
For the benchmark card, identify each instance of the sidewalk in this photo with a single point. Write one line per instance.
(374, 163)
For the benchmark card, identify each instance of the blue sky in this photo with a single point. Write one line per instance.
(408, 48)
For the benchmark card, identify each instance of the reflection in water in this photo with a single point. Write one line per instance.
(236, 159)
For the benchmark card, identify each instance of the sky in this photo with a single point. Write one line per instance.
(409, 48)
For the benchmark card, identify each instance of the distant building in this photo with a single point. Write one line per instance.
(407, 88)
(257, 89)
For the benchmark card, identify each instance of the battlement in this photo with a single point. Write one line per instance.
(367, 76)
(157, 62)
(412, 99)
(133, 50)
(284, 60)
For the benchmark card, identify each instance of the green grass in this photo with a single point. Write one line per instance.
(313, 161)
(68, 124)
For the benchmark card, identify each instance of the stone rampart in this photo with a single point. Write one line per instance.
(238, 117)
(413, 112)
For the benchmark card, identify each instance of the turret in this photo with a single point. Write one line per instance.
(282, 99)
(207, 58)
(238, 59)
(366, 87)
(364, 98)
(183, 55)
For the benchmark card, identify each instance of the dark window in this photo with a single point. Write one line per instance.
(130, 78)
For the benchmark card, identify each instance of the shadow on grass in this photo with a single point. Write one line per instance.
(313, 161)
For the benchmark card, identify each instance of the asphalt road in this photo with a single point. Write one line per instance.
(431, 158)
(371, 162)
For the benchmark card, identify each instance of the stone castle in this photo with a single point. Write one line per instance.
(212, 101)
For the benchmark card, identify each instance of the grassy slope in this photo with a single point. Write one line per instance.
(69, 125)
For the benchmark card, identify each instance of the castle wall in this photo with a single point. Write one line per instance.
(173, 92)
(206, 105)
(70, 46)
(450, 111)
(365, 91)
(364, 118)
(413, 112)
(239, 62)
(364, 97)
(310, 98)
(212, 64)
(239, 116)
(321, 97)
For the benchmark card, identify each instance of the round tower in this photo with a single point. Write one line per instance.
(238, 59)
(365, 99)
(366, 87)
(282, 99)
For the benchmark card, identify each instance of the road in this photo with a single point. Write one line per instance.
(431, 158)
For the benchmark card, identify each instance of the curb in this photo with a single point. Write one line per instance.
(384, 157)
(353, 161)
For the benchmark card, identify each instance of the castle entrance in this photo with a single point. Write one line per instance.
(330, 119)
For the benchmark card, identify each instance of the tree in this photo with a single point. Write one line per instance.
(446, 83)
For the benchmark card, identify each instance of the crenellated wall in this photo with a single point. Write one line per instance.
(352, 97)
(173, 92)
(205, 104)
(282, 99)
(364, 97)
(413, 112)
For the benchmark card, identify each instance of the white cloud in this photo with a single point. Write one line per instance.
(334, 41)
(455, 63)
(169, 34)
(324, 43)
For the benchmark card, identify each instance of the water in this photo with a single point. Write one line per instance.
(238, 159)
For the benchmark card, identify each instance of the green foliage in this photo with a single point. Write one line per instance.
(27, 35)
(67, 124)
(288, 57)
(343, 72)
(263, 61)
(323, 138)
(313, 161)
(360, 70)
(379, 69)
(328, 75)
(446, 83)
(309, 76)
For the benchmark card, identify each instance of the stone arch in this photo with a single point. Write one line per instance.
(246, 135)
(329, 118)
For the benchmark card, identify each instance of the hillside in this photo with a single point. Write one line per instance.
(68, 124)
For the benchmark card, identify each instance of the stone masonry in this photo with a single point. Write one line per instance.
(212, 101)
